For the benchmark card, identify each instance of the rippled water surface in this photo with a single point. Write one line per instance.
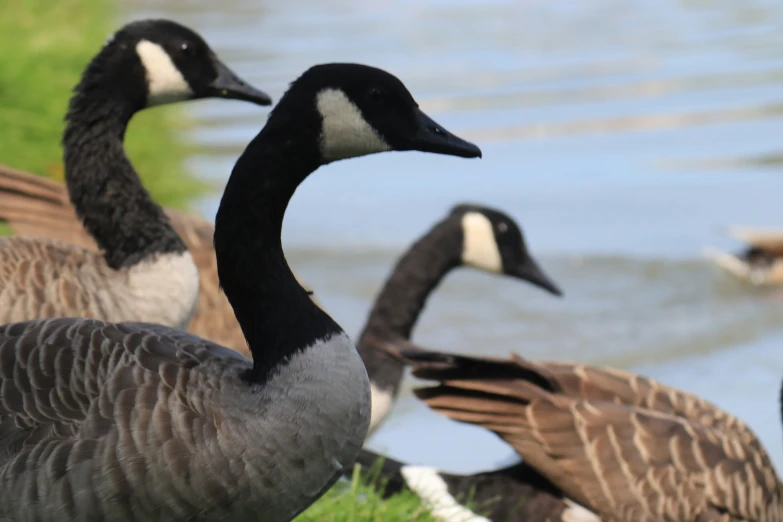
(622, 135)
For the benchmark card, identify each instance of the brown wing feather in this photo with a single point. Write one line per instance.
(622, 387)
(39, 207)
(34, 206)
(587, 382)
(623, 461)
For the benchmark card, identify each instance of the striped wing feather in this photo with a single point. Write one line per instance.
(622, 459)
(583, 381)
(622, 387)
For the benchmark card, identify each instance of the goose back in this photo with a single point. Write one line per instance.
(621, 460)
(43, 278)
(132, 394)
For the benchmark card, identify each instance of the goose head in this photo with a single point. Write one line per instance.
(154, 62)
(493, 242)
(360, 110)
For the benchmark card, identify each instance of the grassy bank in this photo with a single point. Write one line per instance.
(360, 501)
(47, 45)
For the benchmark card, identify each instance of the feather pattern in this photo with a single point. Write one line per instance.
(86, 406)
(44, 278)
(621, 445)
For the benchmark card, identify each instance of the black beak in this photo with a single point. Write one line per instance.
(229, 85)
(431, 137)
(532, 273)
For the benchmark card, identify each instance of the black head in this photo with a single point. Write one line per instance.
(363, 110)
(154, 62)
(492, 241)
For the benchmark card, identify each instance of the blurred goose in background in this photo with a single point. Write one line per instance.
(37, 207)
(761, 263)
(470, 235)
(141, 422)
(144, 271)
(598, 445)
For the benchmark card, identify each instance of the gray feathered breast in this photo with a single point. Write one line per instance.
(137, 422)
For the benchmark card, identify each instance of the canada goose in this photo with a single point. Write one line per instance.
(141, 422)
(761, 263)
(470, 235)
(615, 445)
(144, 271)
(37, 207)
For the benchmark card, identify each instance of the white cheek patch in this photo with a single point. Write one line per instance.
(480, 249)
(344, 131)
(164, 81)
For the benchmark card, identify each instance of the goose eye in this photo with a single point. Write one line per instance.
(187, 50)
(502, 228)
(377, 94)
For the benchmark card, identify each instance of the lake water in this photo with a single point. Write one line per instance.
(622, 136)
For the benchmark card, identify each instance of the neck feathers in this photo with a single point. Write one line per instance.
(276, 314)
(415, 276)
(403, 297)
(106, 191)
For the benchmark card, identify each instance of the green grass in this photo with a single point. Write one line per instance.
(361, 501)
(47, 44)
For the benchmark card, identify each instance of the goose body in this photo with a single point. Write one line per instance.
(761, 263)
(37, 207)
(469, 235)
(141, 422)
(144, 271)
(615, 446)
(157, 424)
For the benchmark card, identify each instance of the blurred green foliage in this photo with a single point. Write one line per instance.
(361, 501)
(47, 44)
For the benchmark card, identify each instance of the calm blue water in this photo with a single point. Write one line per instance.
(622, 136)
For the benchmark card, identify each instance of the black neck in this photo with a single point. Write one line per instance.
(275, 313)
(104, 188)
(404, 295)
